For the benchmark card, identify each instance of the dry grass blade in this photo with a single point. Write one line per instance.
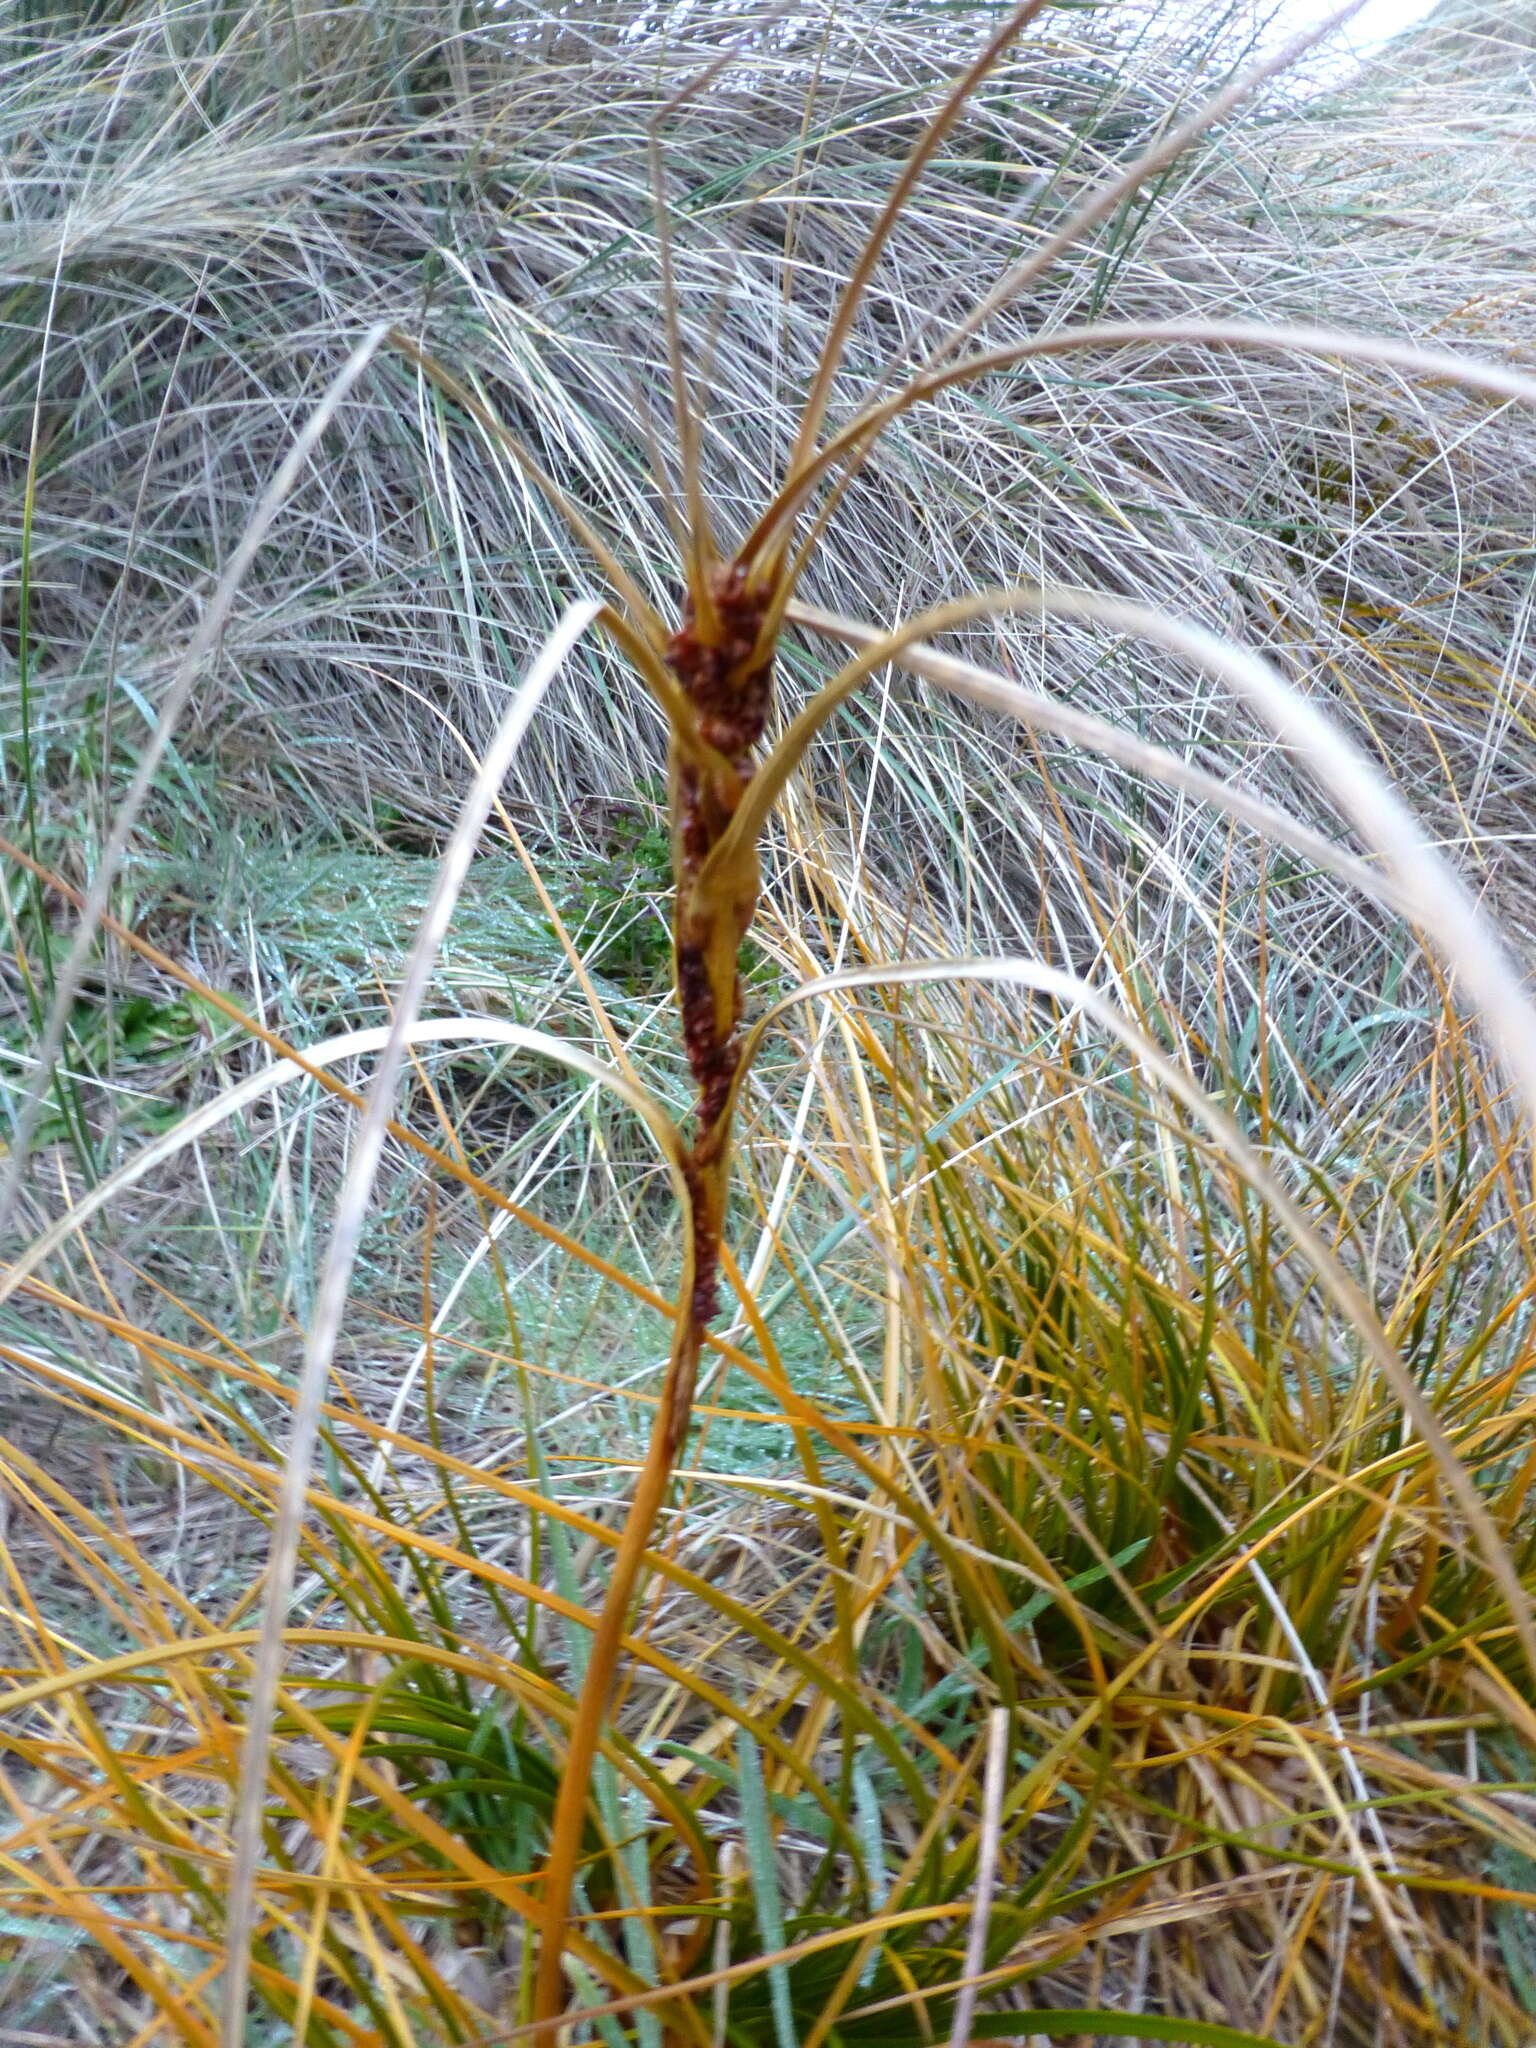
(998, 1734)
(1032, 708)
(1166, 151)
(851, 444)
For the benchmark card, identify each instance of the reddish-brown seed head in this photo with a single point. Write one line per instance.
(726, 677)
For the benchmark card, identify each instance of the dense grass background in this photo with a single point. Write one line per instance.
(1032, 1435)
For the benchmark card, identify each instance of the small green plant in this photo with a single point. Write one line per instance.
(134, 1045)
(620, 899)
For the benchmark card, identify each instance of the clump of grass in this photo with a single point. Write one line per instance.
(1152, 1547)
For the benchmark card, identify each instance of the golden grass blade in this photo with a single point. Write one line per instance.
(1316, 1686)
(999, 1731)
(379, 1531)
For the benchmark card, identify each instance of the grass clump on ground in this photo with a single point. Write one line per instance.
(880, 1394)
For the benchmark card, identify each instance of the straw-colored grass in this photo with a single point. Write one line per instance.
(980, 1489)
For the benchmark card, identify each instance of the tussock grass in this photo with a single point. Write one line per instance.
(1094, 1595)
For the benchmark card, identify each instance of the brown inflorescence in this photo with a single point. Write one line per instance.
(727, 676)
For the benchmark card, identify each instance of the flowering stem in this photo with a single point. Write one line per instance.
(724, 665)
